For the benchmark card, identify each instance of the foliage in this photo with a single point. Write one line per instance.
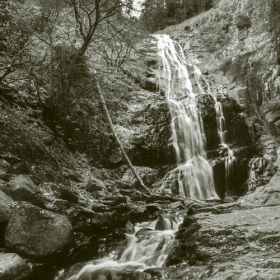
(274, 20)
(14, 40)
(158, 14)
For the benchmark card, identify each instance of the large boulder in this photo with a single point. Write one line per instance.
(38, 233)
(24, 189)
(13, 267)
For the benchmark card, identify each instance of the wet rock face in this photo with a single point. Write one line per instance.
(151, 141)
(206, 106)
(235, 182)
(38, 233)
(13, 267)
(238, 139)
(237, 130)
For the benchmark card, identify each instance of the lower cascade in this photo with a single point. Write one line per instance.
(148, 247)
(194, 174)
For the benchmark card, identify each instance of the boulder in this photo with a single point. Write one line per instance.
(6, 188)
(72, 175)
(5, 176)
(4, 166)
(24, 189)
(98, 194)
(13, 267)
(64, 193)
(20, 168)
(5, 207)
(4, 170)
(95, 184)
(39, 233)
(138, 214)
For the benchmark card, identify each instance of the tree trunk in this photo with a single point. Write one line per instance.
(104, 106)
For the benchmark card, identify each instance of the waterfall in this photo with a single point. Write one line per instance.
(146, 248)
(193, 174)
(151, 242)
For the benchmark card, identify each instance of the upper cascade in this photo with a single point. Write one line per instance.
(194, 174)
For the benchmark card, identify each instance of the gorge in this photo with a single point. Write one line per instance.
(196, 108)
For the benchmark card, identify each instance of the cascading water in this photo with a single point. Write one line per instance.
(193, 174)
(230, 159)
(147, 248)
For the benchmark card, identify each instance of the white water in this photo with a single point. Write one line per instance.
(146, 248)
(194, 174)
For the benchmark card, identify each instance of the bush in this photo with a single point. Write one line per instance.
(274, 21)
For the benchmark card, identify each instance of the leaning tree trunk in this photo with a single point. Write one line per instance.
(104, 106)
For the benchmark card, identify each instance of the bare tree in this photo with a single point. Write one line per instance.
(116, 40)
(90, 14)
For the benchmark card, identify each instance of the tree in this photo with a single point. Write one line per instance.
(116, 41)
(154, 15)
(91, 14)
(274, 17)
(14, 42)
(157, 14)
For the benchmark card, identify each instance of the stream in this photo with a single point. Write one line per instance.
(148, 247)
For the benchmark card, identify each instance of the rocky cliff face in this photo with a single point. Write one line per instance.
(236, 51)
